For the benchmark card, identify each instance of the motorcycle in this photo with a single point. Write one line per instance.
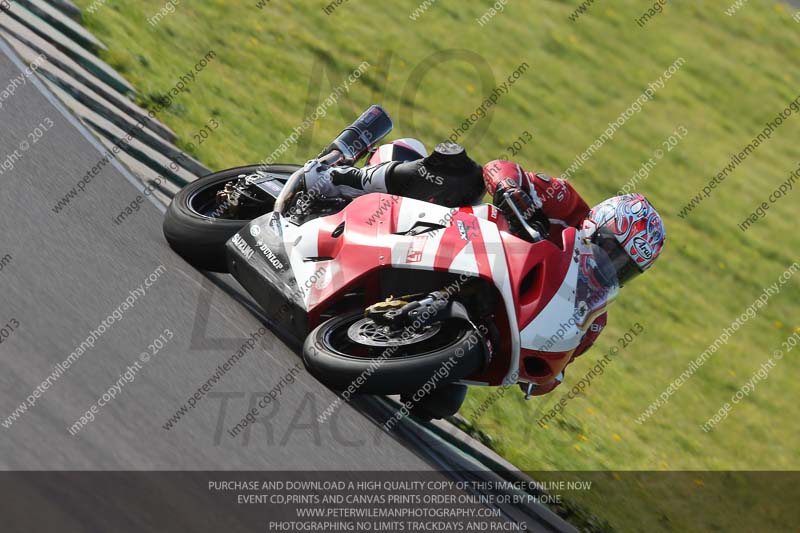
(394, 295)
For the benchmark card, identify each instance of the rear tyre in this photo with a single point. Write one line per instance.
(194, 230)
(337, 360)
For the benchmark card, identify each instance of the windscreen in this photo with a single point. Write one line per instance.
(597, 284)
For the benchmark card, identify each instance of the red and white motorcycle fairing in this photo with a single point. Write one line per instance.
(548, 297)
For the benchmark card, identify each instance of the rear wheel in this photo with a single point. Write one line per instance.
(353, 350)
(197, 227)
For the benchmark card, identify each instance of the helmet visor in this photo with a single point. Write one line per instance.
(626, 267)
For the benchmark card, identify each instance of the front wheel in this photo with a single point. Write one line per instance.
(197, 227)
(353, 350)
(442, 402)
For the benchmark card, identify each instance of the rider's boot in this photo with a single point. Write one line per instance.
(447, 177)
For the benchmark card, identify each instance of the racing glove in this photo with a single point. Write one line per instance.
(320, 182)
(521, 210)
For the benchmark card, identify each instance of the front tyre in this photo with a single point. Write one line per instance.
(352, 350)
(442, 402)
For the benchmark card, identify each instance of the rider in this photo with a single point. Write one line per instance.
(627, 227)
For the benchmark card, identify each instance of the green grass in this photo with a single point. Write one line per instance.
(739, 72)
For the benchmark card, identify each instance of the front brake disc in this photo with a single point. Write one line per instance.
(369, 333)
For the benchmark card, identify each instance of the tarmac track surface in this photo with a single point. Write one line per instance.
(68, 272)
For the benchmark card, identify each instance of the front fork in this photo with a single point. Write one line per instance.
(433, 307)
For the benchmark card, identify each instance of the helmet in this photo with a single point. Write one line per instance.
(399, 150)
(629, 229)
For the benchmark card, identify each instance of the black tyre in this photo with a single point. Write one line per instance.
(442, 402)
(386, 367)
(194, 230)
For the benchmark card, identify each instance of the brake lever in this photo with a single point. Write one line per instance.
(535, 235)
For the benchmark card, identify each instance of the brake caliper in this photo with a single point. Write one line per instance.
(398, 313)
(228, 198)
(384, 313)
(382, 307)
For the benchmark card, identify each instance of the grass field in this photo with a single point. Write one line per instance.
(274, 65)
